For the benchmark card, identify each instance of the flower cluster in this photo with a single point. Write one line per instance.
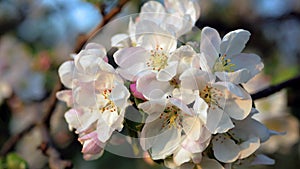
(197, 112)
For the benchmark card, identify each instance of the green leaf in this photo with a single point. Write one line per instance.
(14, 161)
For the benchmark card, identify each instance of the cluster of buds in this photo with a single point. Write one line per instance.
(197, 114)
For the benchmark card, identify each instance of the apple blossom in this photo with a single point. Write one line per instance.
(224, 57)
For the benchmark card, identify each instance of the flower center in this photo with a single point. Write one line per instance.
(105, 103)
(158, 59)
(174, 82)
(171, 117)
(223, 64)
(211, 95)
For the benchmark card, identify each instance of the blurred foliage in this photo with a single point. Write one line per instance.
(13, 161)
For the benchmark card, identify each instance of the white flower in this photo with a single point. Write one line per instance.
(224, 57)
(169, 119)
(98, 96)
(151, 55)
(241, 141)
(92, 147)
(163, 130)
(177, 17)
(226, 100)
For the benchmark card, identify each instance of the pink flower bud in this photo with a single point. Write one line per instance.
(136, 93)
(91, 144)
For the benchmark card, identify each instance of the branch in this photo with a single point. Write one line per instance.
(276, 88)
(49, 150)
(82, 40)
(50, 106)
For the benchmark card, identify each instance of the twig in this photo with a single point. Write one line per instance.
(49, 150)
(276, 88)
(82, 40)
(50, 106)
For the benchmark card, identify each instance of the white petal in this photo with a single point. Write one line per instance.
(65, 96)
(166, 143)
(194, 79)
(234, 42)
(201, 108)
(104, 126)
(128, 56)
(213, 119)
(238, 103)
(65, 72)
(119, 95)
(151, 88)
(191, 127)
(181, 156)
(251, 62)
(225, 124)
(236, 77)
(152, 106)
(152, 11)
(249, 147)
(210, 45)
(120, 40)
(225, 150)
(152, 36)
(167, 73)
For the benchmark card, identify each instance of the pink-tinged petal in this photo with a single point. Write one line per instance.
(129, 56)
(152, 36)
(135, 92)
(90, 157)
(234, 42)
(225, 149)
(207, 163)
(167, 73)
(151, 88)
(65, 96)
(261, 159)
(79, 120)
(91, 144)
(134, 71)
(65, 72)
(249, 147)
(84, 95)
(210, 45)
